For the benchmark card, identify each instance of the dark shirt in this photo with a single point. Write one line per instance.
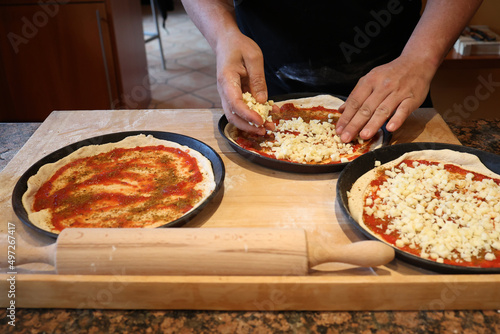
(325, 45)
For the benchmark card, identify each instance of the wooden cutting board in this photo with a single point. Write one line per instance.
(253, 196)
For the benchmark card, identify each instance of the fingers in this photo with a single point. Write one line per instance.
(402, 112)
(232, 82)
(372, 114)
(392, 109)
(257, 86)
(236, 111)
(388, 93)
(241, 123)
(349, 111)
(240, 70)
(365, 110)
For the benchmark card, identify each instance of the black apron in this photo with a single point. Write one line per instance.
(325, 46)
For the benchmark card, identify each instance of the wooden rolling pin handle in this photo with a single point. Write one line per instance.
(368, 253)
(26, 253)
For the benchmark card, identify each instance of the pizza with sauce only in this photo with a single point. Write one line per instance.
(440, 205)
(140, 181)
(304, 133)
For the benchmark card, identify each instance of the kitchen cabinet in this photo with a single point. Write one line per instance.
(71, 55)
(454, 60)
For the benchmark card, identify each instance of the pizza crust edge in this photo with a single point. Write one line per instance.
(323, 100)
(42, 219)
(357, 193)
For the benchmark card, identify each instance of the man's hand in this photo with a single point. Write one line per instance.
(240, 69)
(240, 63)
(391, 91)
(394, 90)
(388, 92)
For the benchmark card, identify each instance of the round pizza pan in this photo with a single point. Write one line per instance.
(385, 154)
(287, 166)
(217, 165)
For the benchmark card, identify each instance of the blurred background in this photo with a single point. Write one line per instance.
(96, 55)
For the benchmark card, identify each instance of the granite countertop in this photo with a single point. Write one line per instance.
(12, 138)
(481, 134)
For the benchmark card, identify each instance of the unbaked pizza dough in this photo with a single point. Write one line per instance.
(441, 205)
(43, 218)
(311, 142)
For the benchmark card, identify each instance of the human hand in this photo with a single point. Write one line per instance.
(240, 69)
(390, 91)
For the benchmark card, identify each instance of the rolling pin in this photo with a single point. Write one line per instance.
(197, 251)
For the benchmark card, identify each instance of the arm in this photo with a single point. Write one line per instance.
(240, 64)
(396, 89)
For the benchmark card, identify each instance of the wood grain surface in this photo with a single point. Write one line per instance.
(252, 196)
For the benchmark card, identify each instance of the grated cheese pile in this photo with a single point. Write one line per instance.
(315, 142)
(261, 109)
(463, 222)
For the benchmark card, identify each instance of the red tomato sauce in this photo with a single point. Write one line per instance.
(289, 111)
(75, 201)
(374, 223)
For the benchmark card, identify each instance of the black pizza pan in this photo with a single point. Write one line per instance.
(217, 165)
(287, 166)
(366, 162)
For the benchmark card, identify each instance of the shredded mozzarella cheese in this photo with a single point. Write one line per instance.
(304, 142)
(261, 109)
(462, 222)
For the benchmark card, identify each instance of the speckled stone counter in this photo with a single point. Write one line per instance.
(12, 138)
(482, 134)
(198, 322)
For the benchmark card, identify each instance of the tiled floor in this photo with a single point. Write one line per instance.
(189, 80)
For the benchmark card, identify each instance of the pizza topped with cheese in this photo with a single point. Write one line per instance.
(441, 205)
(140, 181)
(304, 133)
